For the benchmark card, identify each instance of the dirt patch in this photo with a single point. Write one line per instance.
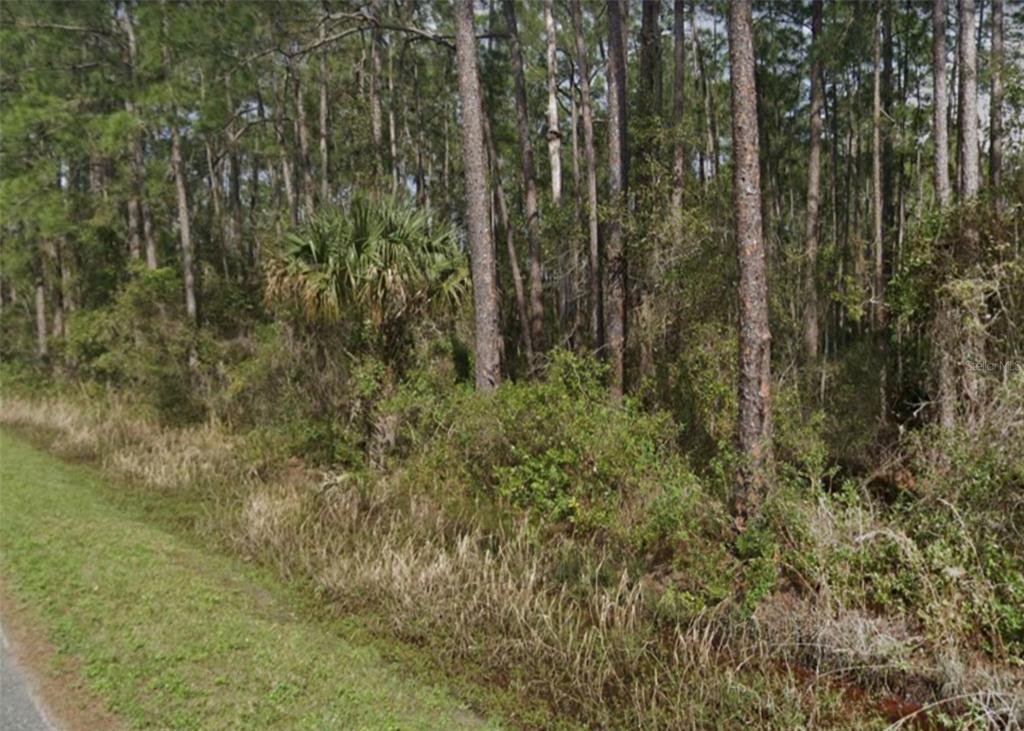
(55, 680)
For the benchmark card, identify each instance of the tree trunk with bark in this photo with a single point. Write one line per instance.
(710, 118)
(134, 207)
(505, 224)
(650, 58)
(576, 285)
(813, 195)
(376, 112)
(943, 194)
(324, 131)
(181, 191)
(481, 245)
(754, 426)
(237, 234)
(615, 304)
(392, 128)
(678, 108)
(59, 282)
(217, 226)
(42, 341)
(554, 134)
(184, 226)
(996, 110)
(878, 281)
(968, 55)
(287, 178)
(302, 135)
(140, 226)
(594, 273)
(940, 103)
(529, 184)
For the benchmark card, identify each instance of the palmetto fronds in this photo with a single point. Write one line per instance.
(380, 260)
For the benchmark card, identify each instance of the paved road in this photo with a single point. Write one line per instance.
(19, 710)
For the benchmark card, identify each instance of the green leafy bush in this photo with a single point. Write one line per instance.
(141, 342)
(559, 450)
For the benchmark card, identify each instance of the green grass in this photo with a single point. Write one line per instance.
(175, 637)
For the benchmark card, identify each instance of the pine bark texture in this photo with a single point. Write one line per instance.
(615, 302)
(140, 226)
(678, 106)
(996, 110)
(754, 388)
(188, 272)
(968, 54)
(710, 118)
(554, 134)
(302, 134)
(813, 194)
(878, 281)
(481, 245)
(529, 183)
(594, 273)
(940, 103)
(650, 58)
(42, 341)
(501, 206)
(59, 282)
(184, 226)
(324, 118)
(376, 112)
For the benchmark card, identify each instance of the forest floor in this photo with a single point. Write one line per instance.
(168, 635)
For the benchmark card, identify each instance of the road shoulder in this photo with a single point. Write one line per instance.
(50, 683)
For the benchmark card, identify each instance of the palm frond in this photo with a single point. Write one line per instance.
(383, 260)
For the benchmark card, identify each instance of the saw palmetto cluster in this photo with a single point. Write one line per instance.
(381, 262)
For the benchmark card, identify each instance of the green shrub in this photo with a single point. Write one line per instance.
(141, 343)
(559, 450)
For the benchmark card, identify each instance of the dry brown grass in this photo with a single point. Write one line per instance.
(157, 456)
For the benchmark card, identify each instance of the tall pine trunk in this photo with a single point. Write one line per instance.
(594, 273)
(376, 113)
(554, 134)
(302, 135)
(940, 102)
(754, 426)
(181, 191)
(650, 58)
(615, 300)
(140, 226)
(710, 119)
(324, 131)
(813, 195)
(59, 287)
(392, 127)
(481, 245)
(505, 224)
(678, 109)
(878, 281)
(184, 226)
(42, 341)
(996, 111)
(217, 225)
(287, 172)
(529, 184)
(968, 53)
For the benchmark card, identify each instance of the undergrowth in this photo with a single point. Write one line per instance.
(544, 541)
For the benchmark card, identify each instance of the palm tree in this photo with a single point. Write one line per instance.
(382, 264)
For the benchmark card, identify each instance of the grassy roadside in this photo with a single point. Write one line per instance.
(174, 637)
